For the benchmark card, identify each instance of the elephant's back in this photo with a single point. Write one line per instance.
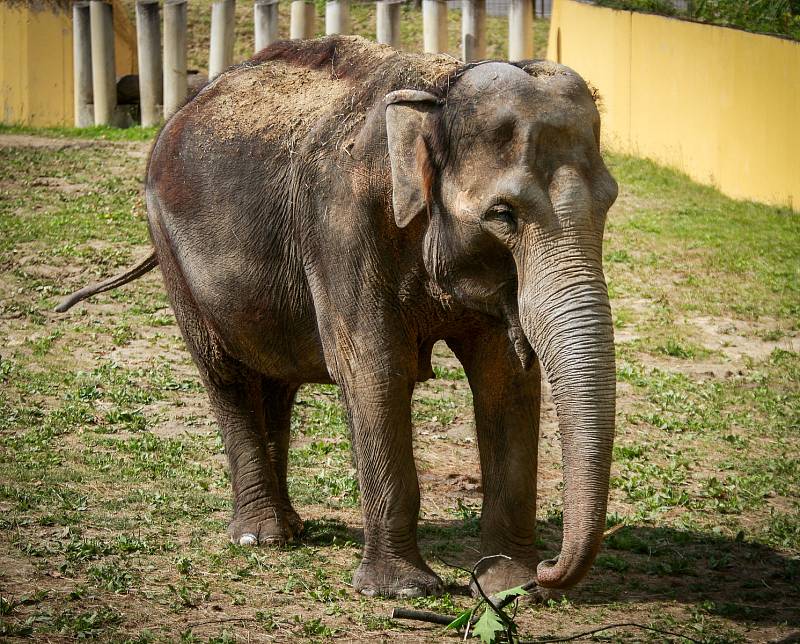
(274, 100)
(294, 87)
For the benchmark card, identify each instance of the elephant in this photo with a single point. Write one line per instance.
(327, 211)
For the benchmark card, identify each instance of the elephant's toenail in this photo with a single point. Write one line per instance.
(248, 539)
(409, 593)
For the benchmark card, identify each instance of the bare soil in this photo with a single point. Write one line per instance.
(449, 474)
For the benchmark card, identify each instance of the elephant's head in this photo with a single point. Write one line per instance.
(506, 167)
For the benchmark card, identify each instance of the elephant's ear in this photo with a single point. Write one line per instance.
(406, 114)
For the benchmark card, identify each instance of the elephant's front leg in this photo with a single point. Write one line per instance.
(377, 393)
(506, 400)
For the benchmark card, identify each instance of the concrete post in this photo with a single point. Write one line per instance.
(82, 64)
(387, 20)
(148, 42)
(337, 17)
(520, 30)
(473, 30)
(104, 77)
(175, 81)
(434, 26)
(223, 22)
(301, 21)
(265, 15)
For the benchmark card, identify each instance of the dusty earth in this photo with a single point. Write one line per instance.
(680, 566)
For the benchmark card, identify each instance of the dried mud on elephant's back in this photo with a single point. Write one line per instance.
(264, 100)
(282, 93)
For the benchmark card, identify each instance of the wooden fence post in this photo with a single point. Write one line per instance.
(104, 76)
(387, 22)
(82, 64)
(337, 17)
(223, 22)
(434, 26)
(473, 30)
(148, 42)
(520, 30)
(301, 22)
(265, 15)
(175, 80)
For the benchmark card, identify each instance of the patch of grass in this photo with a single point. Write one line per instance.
(683, 350)
(112, 577)
(84, 203)
(83, 624)
(333, 488)
(470, 515)
(711, 238)
(100, 132)
(612, 562)
(441, 411)
(318, 412)
(448, 373)
(783, 530)
(11, 629)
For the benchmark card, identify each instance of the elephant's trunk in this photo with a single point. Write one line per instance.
(565, 313)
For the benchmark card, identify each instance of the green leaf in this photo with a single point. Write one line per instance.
(460, 621)
(517, 591)
(488, 627)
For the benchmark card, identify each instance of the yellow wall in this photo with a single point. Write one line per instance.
(36, 63)
(722, 105)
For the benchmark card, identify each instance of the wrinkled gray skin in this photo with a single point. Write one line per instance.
(472, 213)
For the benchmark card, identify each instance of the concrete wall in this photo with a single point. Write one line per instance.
(719, 104)
(36, 62)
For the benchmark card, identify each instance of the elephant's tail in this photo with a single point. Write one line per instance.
(146, 265)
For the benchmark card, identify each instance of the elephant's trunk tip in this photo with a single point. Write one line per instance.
(550, 574)
(544, 571)
(571, 565)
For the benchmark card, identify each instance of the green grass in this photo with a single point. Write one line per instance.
(99, 132)
(114, 497)
(702, 240)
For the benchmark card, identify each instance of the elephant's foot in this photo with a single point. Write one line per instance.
(269, 527)
(396, 578)
(499, 574)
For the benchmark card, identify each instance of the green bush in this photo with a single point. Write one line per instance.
(770, 16)
(663, 7)
(780, 17)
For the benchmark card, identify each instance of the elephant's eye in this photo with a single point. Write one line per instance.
(501, 216)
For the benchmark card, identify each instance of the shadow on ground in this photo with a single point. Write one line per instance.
(732, 578)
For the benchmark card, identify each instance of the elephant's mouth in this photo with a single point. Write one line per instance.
(522, 347)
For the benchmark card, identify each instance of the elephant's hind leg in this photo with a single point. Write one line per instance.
(236, 396)
(278, 399)
(258, 510)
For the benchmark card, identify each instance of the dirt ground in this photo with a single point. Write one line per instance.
(113, 483)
